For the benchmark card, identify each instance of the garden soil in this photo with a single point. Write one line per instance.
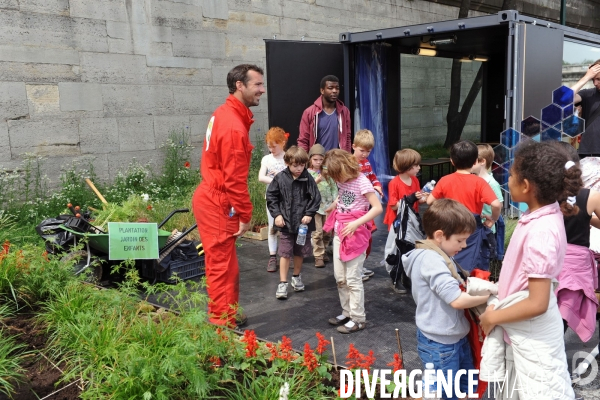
(41, 376)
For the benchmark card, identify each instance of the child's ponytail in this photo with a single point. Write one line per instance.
(572, 180)
(571, 183)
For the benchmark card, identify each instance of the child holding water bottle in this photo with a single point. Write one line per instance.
(293, 199)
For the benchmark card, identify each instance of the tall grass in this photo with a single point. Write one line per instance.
(257, 189)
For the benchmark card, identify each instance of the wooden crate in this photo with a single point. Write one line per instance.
(262, 235)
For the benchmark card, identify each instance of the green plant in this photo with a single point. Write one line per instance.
(433, 151)
(256, 188)
(177, 171)
(11, 355)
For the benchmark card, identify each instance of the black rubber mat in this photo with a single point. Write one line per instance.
(305, 313)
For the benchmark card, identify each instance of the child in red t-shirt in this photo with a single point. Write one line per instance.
(406, 162)
(362, 145)
(471, 191)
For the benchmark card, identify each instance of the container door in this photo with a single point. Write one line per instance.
(294, 73)
(535, 70)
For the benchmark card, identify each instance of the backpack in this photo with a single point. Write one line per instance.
(407, 230)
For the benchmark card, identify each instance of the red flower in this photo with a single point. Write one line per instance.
(368, 361)
(287, 353)
(149, 207)
(4, 251)
(222, 335)
(322, 345)
(187, 164)
(354, 357)
(397, 363)
(358, 360)
(273, 350)
(251, 344)
(216, 361)
(310, 361)
(287, 135)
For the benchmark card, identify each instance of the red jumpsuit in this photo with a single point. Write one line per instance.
(224, 168)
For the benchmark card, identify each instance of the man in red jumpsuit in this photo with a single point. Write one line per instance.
(221, 203)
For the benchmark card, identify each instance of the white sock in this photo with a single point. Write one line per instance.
(340, 317)
(350, 324)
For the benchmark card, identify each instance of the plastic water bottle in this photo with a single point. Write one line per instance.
(231, 212)
(429, 186)
(429, 380)
(302, 231)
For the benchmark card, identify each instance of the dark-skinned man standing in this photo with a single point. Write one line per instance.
(221, 203)
(327, 120)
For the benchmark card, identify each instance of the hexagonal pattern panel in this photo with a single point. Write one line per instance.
(502, 155)
(573, 126)
(567, 111)
(551, 114)
(530, 126)
(551, 134)
(500, 174)
(563, 96)
(510, 138)
(558, 122)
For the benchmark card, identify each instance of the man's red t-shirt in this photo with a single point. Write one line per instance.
(468, 189)
(397, 190)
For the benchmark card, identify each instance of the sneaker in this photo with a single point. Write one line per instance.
(297, 283)
(272, 265)
(365, 277)
(351, 327)
(399, 287)
(319, 262)
(339, 320)
(240, 320)
(281, 291)
(368, 272)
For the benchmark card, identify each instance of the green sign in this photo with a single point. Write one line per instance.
(138, 241)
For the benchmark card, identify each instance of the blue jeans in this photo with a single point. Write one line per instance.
(446, 357)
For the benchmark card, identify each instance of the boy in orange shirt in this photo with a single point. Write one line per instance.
(473, 192)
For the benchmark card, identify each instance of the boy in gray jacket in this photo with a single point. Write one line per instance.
(442, 327)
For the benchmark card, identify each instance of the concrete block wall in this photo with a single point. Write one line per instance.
(425, 96)
(106, 80)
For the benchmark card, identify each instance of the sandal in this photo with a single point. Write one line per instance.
(357, 326)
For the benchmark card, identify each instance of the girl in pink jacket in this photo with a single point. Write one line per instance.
(356, 207)
(544, 178)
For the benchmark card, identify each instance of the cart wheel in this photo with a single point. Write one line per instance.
(79, 260)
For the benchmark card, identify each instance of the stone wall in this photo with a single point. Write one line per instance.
(425, 97)
(107, 80)
(571, 74)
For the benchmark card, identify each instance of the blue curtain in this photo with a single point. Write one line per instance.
(371, 110)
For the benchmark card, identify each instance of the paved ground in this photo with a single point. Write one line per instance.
(305, 313)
